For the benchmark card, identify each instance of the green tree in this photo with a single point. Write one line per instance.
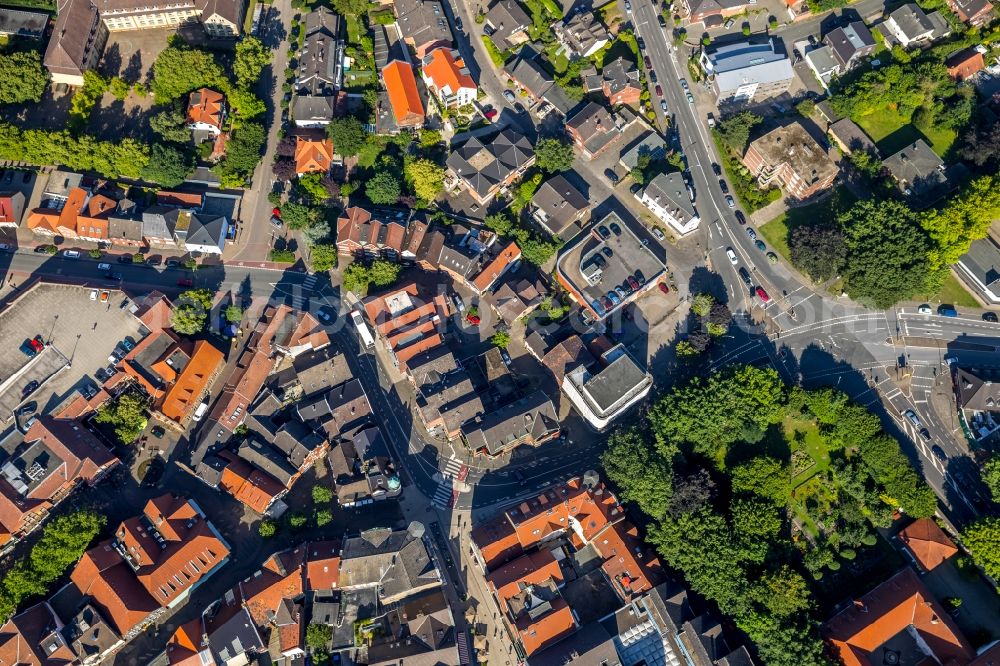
(119, 88)
(317, 231)
(991, 476)
(179, 69)
(425, 178)
(817, 250)
(763, 476)
(191, 311)
(22, 77)
(323, 517)
(251, 59)
(784, 592)
(384, 273)
(734, 131)
(383, 188)
(358, 277)
(702, 304)
(964, 219)
(982, 538)
(430, 139)
(347, 134)
(167, 166)
(554, 155)
(886, 252)
(321, 494)
(243, 152)
(640, 470)
(234, 314)
(536, 251)
(756, 521)
(127, 416)
(323, 257)
(297, 520)
(245, 104)
(312, 185)
(267, 528)
(499, 223)
(352, 7)
(298, 216)
(171, 123)
(500, 339)
(318, 636)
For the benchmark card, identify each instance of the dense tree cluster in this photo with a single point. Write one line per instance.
(554, 155)
(243, 151)
(535, 249)
(22, 77)
(63, 542)
(358, 277)
(721, 497)
(191, 311)
(127, 415)
(124, 158)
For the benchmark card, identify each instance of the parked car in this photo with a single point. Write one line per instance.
(732, 256)
(622, 292)
(32, 346)
(740, 218)
(27, 408)
(614, 298)
(276, 221)
(939, 453)
(154, 260)
(729, 24)
(663, 21)
(912, 417)
(640, 43)
(925, 434)
(128, 345)
(615, 229)
(40, 249)
(990, 316)
(663, 105)
(652, 75)
(611, 176)
(662, 286)
(173, 263)
(459, 303)
(724, 186)
(716, 169)
(649, 63)
(751, 233)
(518, 107)
(925, 309)
(509, 96)
(124, 304)
(745, 276)
(157, 431)
(684, 84)
(640, 278)
(505, 357)
(607, 252)
(947, 311)
(104, 267)
(71, 254)
(105, 295)
(324, 315)
(632, 282)
(772, 257)
(474, 320)
(658, 234)
(598, 260)
(760, 245)
(628, 7)
(125, 259)
(93, 294)
(690, 98)
(659, 90)
(762, 294)
(604, 232)
(730, 202)
(30, 387)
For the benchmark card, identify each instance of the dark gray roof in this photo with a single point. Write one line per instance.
(513, 300)
(614, 381)
(396, 561)
(320, 369)
(978, 390)
(528, 70)
(297, 440)
(21, 23)
(911, 20)
(207, 230)
(506, 17)
(454, 399)
(262, 455)
(236, 636)
(581, 32)
(651, 144)
(342, 459)
(422, 22)
(348, 404)
(983, 261)
(620, 74)
(77, 38)
(852, 136)
(850, 40)
(560, 202)
(323, 21)
(307, 108)
(594, 125)
(918, 169)
(485, 162)
(533, 417)
(590, 646)
(670, 191)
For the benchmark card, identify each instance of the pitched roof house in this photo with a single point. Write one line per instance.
(56, 455)
(528, 72)
(401, 87)
(927, 543)
(397, 563)
(152, 563)
(379, 232)
(530, 421)
(11, 208)
(919, 173)
(206, 111)
(313, 155)
(699, 10)
(850, 43)
(909, 24)
(593, 128)
(84, 214)
(581, 35)
(558, 204)
(507, 23)
(445, 74)
(205, 233)
(423, 25)
(620, 82)
(485, 164)
(320, 71)
(973, 12)
(964, 64)
(78, 39)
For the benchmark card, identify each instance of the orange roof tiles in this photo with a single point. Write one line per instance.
(183, 396)
(322, 565)
(532, 569)
(205, 106)
(495, 268)
(262, 594)
(44, 220)
(900, 604)
(927, 543)
(249, 485)
(401, 86)
(628, 562)
(965, 64)
(313, 155)
(188, 199)
(185, 644)
(446, 72)
(548, 629)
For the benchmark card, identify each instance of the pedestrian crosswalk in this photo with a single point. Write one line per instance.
(452, 468)
(446, 493)
(310, 282)
(443, 495)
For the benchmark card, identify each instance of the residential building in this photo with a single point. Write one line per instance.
(530, 421)
(849, 137)
(78, 40)
(650, 143)
(396, 563)
(313, 155)
(205, 233)
(604, 392)
(11, 208)
(850, 43)
(824, 64)
(380, 233)
(666, 196)
(507, 24)
(581, 35)
(444, 401)
(23, 24)
(56, 456)
(980, 268)
(744, 72)
(84, 215)
(320, 72)
(593, 128)
(483, 165)
(528, 72)
(926, 544)
(423, 25)
(919, 173)
(557, 205)
(206, 111)
(32, 638)
(699, 10)
(909, 25)
(401, 87)
(620, 82)
(903, 618)
(310, 111)
(446, 76)
(964, 64)
(532, 555)
(973, 12)
(978, 397)
(151, 564)
(407, 321)
(789, 157)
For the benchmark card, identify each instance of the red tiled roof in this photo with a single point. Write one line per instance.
(495, 268)
(262, 594)
(322, 565)
(401, 86)
(902, 603)
(247, 484)
(183, 396)
(927, 543)
(205, 106)
(532, 569)
(185, 644)
(183, 199)
(964, 64)
(312, 155)
(446, 72)
(548, 629)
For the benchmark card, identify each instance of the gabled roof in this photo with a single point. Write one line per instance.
(183, 396)
(928, 544)
(207, 230)
(506, 17)
(396, 561)
(497, 266)
(74, 38)
(446, 71)
(30, 638)
(422, 23)
(313, 155)
(206, 106)
(401, 86)
(533, 416)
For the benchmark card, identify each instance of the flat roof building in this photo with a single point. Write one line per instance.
(788, 156)
(744, 72)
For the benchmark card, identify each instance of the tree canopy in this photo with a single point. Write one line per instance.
(554, 155)
(127, 415)
(251, 59)
(358, 277)
(383, 188)
(818, 250)
(190, 311)
(347, 134)
(243, 152)
(171, 123)
(22, 77)
(425, 178)
(982, 538)
(179, 69)
(167, 165)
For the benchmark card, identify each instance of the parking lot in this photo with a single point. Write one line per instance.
(79, 334)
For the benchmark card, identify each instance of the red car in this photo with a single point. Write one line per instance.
(659, 90)
(473, 319)
(762, 295)
(276, 212)
(185, 282)
(491, 114)
(663, 287)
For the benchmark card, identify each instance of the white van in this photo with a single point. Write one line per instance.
(363, 333)
(200, 412)
(71, 254)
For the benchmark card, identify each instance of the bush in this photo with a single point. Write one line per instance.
(496, 55)
(95, 254)
(282, 256)
(321, 494)
(51, 249)
(501, 339)
(138, 258)
(297, 520)
(323, 517)
(267, 528)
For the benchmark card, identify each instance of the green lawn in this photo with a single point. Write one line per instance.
(951, 292)
(891, 132)
(804, 435)
(776, 231)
